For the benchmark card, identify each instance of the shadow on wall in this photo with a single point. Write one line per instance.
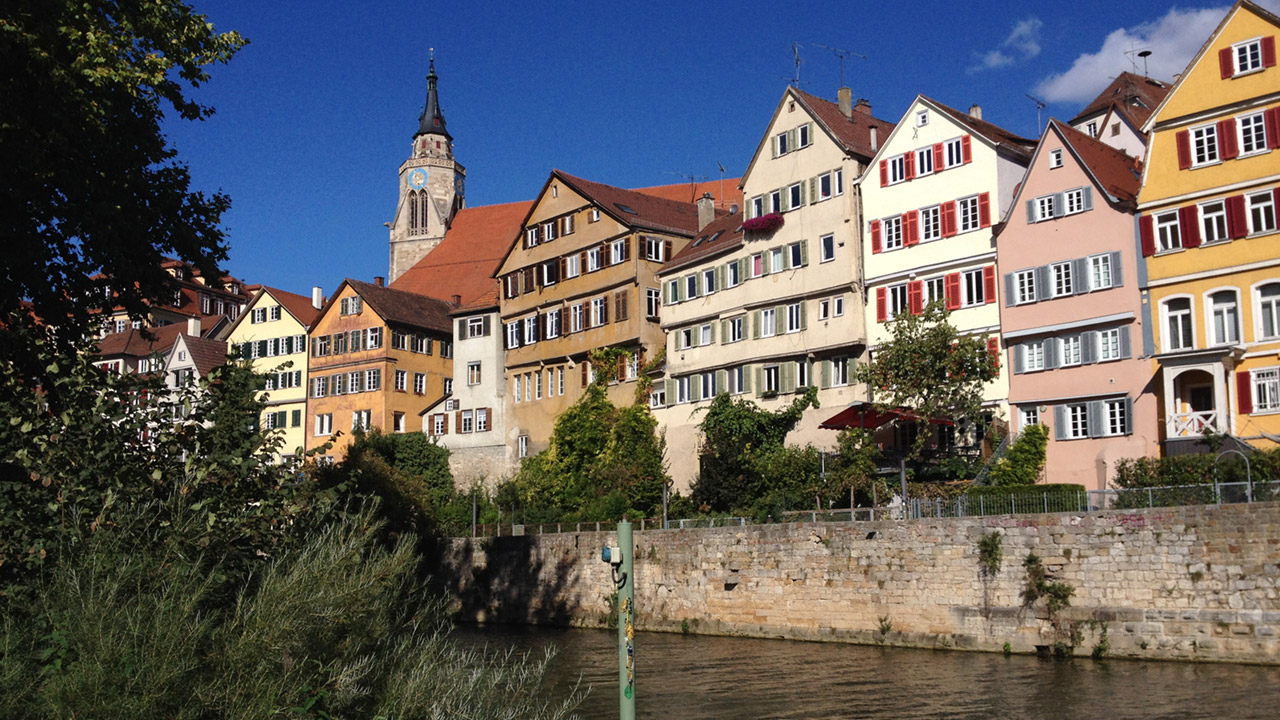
(510, 583)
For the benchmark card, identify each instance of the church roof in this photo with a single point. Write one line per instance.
(431, 121)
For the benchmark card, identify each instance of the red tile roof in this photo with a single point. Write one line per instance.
(1118, 173)
(206, 354)
(465, 261)
(1134, 95)
(690, 192)
(299, 306)
(132, 342)
(1016, 143)
(404, 308)
(648, 211)
(720, 236)
(853, 133)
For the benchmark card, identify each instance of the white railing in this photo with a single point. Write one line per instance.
(1193, 424)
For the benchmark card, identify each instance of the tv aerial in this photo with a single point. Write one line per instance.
(1040, 105)
(842, 54)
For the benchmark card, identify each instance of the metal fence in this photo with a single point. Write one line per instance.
(986, 503)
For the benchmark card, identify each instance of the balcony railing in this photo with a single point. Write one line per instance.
(1193, 424)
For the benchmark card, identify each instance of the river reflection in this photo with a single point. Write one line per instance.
(681, 676)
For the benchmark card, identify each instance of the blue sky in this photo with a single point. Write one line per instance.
(315, 116)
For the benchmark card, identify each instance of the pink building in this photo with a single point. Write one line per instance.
(1072, 314)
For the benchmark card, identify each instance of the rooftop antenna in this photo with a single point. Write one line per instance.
(719, 165)
(1144, 54)
(842, 54)
(795, 52)
(693, 181)
(1040, 105)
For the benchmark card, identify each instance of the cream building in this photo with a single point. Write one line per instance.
(765, 313)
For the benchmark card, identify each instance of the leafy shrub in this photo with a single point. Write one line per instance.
(1022, 463)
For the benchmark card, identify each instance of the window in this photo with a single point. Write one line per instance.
(1168, 234)
(1269, 310)
(757, 265)
(552, 321)
(684, 338)
(513, 334)
(1213, 222)
(530, 237)
(402, 380)
(350, 306)
(776, 260)
(839, 371)
(658, 396)
(1044, 208)
(654, 249)
(1224, 315)
(1024, 282)
(973, 288)
(566, 225)
(1092, 128)
(1178, 324)
(537, 382)
(1070, 349)
(830, 184)
(967, 209)
(522, 444)
(1073, 201)
(560, 381)
(933, 291)
(682, 390)
(397, 422)
(1204, 145)
(549, 231)
(594, 216)
(824, 309)
(707, 381)
(1061, 276)
(1109, 344)
(530, 330)
(1262, 212)
(1100, 272)
(593, 259)
(897, 169)
(769, 378)
(930, 223)
(891, 229)
(768, 322)
(259, 315)
(691, 287)
(652, 303)
(1266, 390)
(802, 373)
(1028, 415)
(736, 380)
(618, 251)
(572, 266)
(827, 245)
(795, 253)
(924, 161)
(795, 196)
(733, 329)
(898, 303)
(319, 387)
(732, 274)
(955, 152)
(757, 206)
(598, 311)
(372, 380)
(482, 420)
(324, 424)
(1033, 356)
(1253, 133)
(576, 318)
(1055, 159)
(518, 387)
(781, 144)
(274, 313)
(1247, 56)
(704, 335)
(1077, 421)
(922, 117)
(708, 281)
(473, 373)
(419, 383)
(837, 306)
(775, 201)
(795, 317)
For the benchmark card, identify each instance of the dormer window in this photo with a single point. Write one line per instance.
(1055, 158)
(922, 118)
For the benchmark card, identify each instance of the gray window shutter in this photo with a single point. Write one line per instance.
(1128, 416)
(804, 315)
(826, 373)
(697, 285)
(1059, 204)
(1044, 283)
(724, 331)
(1088, 348)
(755, 324)
(1031, 211)
(1010, 295)
(1080, 276)
(462, 330)
(720, 277)
(1126, 348)
(1117, 274)
(804, 253)
(788, 372)
(1059, 422)
(1096, 418)
(695, 388)
(1050, 353)
(713, 333)
(773, 145)
(1088, 198)
(813, 189)
(746, 379)
(486, 329)
(722, 381)
(759, 387)
(1019, 363)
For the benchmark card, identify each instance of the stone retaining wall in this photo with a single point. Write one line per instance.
(1192, 583)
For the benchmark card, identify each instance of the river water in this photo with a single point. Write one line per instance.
(688, 676)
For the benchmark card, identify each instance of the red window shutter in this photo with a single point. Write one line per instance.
(911, 228)
(1271, 120)
(1275, 195)
(949, 219)
(1244, 392)
(882, 305)
(1189, 222)
(984, 209)
(938, 156)
(622, 368)
(1183, 139)
(444, 425)
(989, 283)
(626, 249)
(884, 173)
(584, 371)
(915, 296)
(1147, 231)
(993, 348)
(1225, 63)
(1269, 51)
(457, 418)
(1227, 144)
(666, 250)
(952, 288)
(910, 161)
(875, 236)
(582, 263)
(966, 149)
(1237, 227)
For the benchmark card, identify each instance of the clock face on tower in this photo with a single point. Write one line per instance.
(417, 178)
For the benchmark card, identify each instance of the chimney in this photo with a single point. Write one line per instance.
(317, 297)
(975, 112)
(844, 99)
(379, 281)
(193, 326)
(706, 210)
(875, 138)
(863, 106)
(455, 300)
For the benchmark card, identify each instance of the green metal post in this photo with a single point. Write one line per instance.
(626, 624)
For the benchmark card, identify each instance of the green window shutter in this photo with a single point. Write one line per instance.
(802, 193)
(697, 285)
(746, 379)
(759, 386)
(671, 392)
(773, 145)
(792, 136)
(826, 373)
(724, 330)
(804, 315)
(695, 388)
(296, 420)
(804, 253)
(755, 324)
(670, 296)
(742, 269)
(813, 189)
(713, 333)
(788, 372)
(780, 320)
(722, 381)
(720, 277)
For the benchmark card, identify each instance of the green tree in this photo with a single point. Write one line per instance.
(929, 368)
(92, 197)
(1021, 465)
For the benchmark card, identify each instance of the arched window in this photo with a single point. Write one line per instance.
(1178, 324)
(413, 210)
(1269, 310)
(1224, 317)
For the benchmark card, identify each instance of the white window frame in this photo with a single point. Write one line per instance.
(617, 251)
(709, 281)
(553, 324)
(1108, 344)
(1204, 145)
(1077, 420)
(1251, 130)
(930, 223)
(756, 265)
(1114, 422)
(897, 301)
(1024, 284)
(1062, 279)
(1265, 383)
(682, 390)
(1073, 201)
(419, 383)
(1213, 221)
(839, 371)
(1028, 415)
(1045, 209)
(1168, 232)
(734, 327)
(1033, 353)
(1055, 162)
(972, 288)
(924, 161)
(597, 311)
(1230, 311)
(891, 233)
(402, 380)
(968, 217)
(827, 248)
(768, 322)
(732, 275)
(770, 379)
(1246, 57)
(795, 317)
(1101, 274)
(324, 424)
(572, 266)
(1261, 212)
(954, 149)
(652, 302)
(473, 373)
(530, 330)
(1266, 308)
(593, 259)
(1186, 322)
(897, 169)
(795, 196)
(1070, 348)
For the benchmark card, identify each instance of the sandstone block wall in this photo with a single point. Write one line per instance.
(1193, 583)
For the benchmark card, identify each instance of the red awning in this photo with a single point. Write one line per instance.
(868, 417)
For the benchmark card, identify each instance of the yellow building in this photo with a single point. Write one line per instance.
(272, 333)
(1208, 231)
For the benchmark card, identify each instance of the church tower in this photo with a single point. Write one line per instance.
(431, 187)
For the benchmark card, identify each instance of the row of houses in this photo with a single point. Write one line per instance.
(1125, 266)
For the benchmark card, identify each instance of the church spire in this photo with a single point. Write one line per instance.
(432, 120)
